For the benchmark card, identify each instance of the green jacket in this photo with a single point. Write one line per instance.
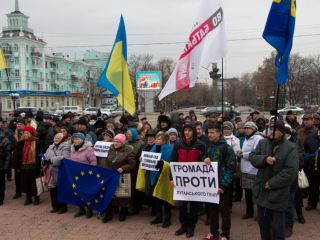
(280, 175)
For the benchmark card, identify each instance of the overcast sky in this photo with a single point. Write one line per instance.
(67, 23)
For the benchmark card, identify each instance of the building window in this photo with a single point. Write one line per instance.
(17, 86)
(28, 102)
(28, 86)
(46, 87)
(52, 103)
(47, 102)
(38, 87)
(8, 103)
(16, 60)
(41, 103)
(17, 102)
(28, 60)
(28, 73)
(15, 48)
(16, 73)
(7, 86)
(27, 48)
(0, 86)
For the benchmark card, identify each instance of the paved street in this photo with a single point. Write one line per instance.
(36, 223)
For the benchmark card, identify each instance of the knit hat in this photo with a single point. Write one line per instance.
(251, 125)
(134, 133)
(65, 128)
(280, 126)
(30, 129)
(229, 125)
(82, 121)
(109, 132)
(151, 133)
(120, 137)
(79, 135)
(240, 124)
(172, 130)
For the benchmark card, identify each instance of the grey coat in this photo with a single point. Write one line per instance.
(56, 154)
(280, 176)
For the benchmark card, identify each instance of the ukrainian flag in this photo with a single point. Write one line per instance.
(3, 63)
(115, 76)
(279, 31)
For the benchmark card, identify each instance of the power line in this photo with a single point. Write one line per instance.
(170, 43)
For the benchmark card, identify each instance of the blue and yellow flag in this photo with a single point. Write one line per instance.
(115, 76)
(279, 31)
(3, 63)
(85, 185)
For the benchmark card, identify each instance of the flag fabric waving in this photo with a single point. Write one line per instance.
(206, 44)
(278, 32)
(85, 185)
(115, 76)
(3, 63)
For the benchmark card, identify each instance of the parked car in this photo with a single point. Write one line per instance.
(118, 111)
(90, 111)
(20, 110)
(294, 109)
(66, 109)
(106, 113)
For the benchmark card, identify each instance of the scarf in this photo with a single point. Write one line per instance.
(29, 152)
(77, 147)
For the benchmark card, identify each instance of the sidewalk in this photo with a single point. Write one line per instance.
(37, 223)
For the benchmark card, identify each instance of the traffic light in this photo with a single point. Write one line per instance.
(214, 75)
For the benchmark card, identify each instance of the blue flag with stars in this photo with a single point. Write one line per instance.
(278, 32)
(85, 185)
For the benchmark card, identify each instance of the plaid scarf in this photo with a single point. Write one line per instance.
(29, 152)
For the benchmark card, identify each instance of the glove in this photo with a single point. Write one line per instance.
(45, 161)
(159, 165)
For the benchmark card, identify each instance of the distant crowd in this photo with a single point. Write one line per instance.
(260, 160)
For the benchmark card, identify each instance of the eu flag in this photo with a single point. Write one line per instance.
(115, 77)
(85, 185)
(279, 32)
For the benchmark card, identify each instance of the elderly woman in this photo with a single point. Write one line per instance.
(28, 152)
(51, 161)
(122, 159)
(82, 152)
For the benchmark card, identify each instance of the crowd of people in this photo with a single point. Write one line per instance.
(258, 157)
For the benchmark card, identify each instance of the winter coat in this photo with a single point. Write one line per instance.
(5, 151)
(280, 176)
(55, 154)
(120, 158)
(241, 138)
(248, 146)
(312, 156)
(38, 155)
(84, 155)
(224, 155)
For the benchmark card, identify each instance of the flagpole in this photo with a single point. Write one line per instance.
(122, 92)
(11, 94)
(276, 115)
(222, 90)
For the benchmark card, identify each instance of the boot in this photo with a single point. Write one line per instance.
(190, 232)
(181, 231)
(28, 201)
(106, 218)
(88, 213)
(300, 216)
(36, 200)
(247, 216)
(123, 214)
(288, 231)
(166, 222)
(63, 209)
(80, 212)
(156, 220)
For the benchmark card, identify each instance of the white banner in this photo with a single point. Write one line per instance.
(101, 149)
(195, 182)
(149, 160)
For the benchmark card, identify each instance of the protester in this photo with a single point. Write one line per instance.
(122, 159)
(82, 152)
(291, 119)
(5, 158)
(221, 152)
(200, 134)
(164, 123)
(189, 149)
(277, 163)
(51, 162)
(173, 136)
(28, 160)
(82, 126)
(249, 172)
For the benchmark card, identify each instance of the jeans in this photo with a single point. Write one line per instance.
(290, 210)
(271, 224)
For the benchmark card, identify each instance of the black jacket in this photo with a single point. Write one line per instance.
(5, 151)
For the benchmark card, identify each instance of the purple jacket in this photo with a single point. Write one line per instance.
(84, 155)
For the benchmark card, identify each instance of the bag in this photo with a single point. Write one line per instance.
(41, 185)
(124, 188)
(302, 180)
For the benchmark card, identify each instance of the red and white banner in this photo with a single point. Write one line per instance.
(206, 44)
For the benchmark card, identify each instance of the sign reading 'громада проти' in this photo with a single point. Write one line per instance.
(195, 182)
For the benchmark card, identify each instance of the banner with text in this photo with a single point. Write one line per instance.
(195, 182)
(101, 149)
(149, 160)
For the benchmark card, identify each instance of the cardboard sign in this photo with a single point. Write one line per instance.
(101, 149)
(195, 182)
(149, 160)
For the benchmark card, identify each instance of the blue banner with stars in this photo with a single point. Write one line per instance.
(85, 185)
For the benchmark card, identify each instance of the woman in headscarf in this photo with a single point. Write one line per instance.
(122, 159)
(28, 159)
(82, 152)
(51, 162)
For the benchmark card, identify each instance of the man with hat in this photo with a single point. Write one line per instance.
(164, 123)
(278, 165)
(291, 119)
(82, 126)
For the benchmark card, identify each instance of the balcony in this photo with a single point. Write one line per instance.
(36, 54)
